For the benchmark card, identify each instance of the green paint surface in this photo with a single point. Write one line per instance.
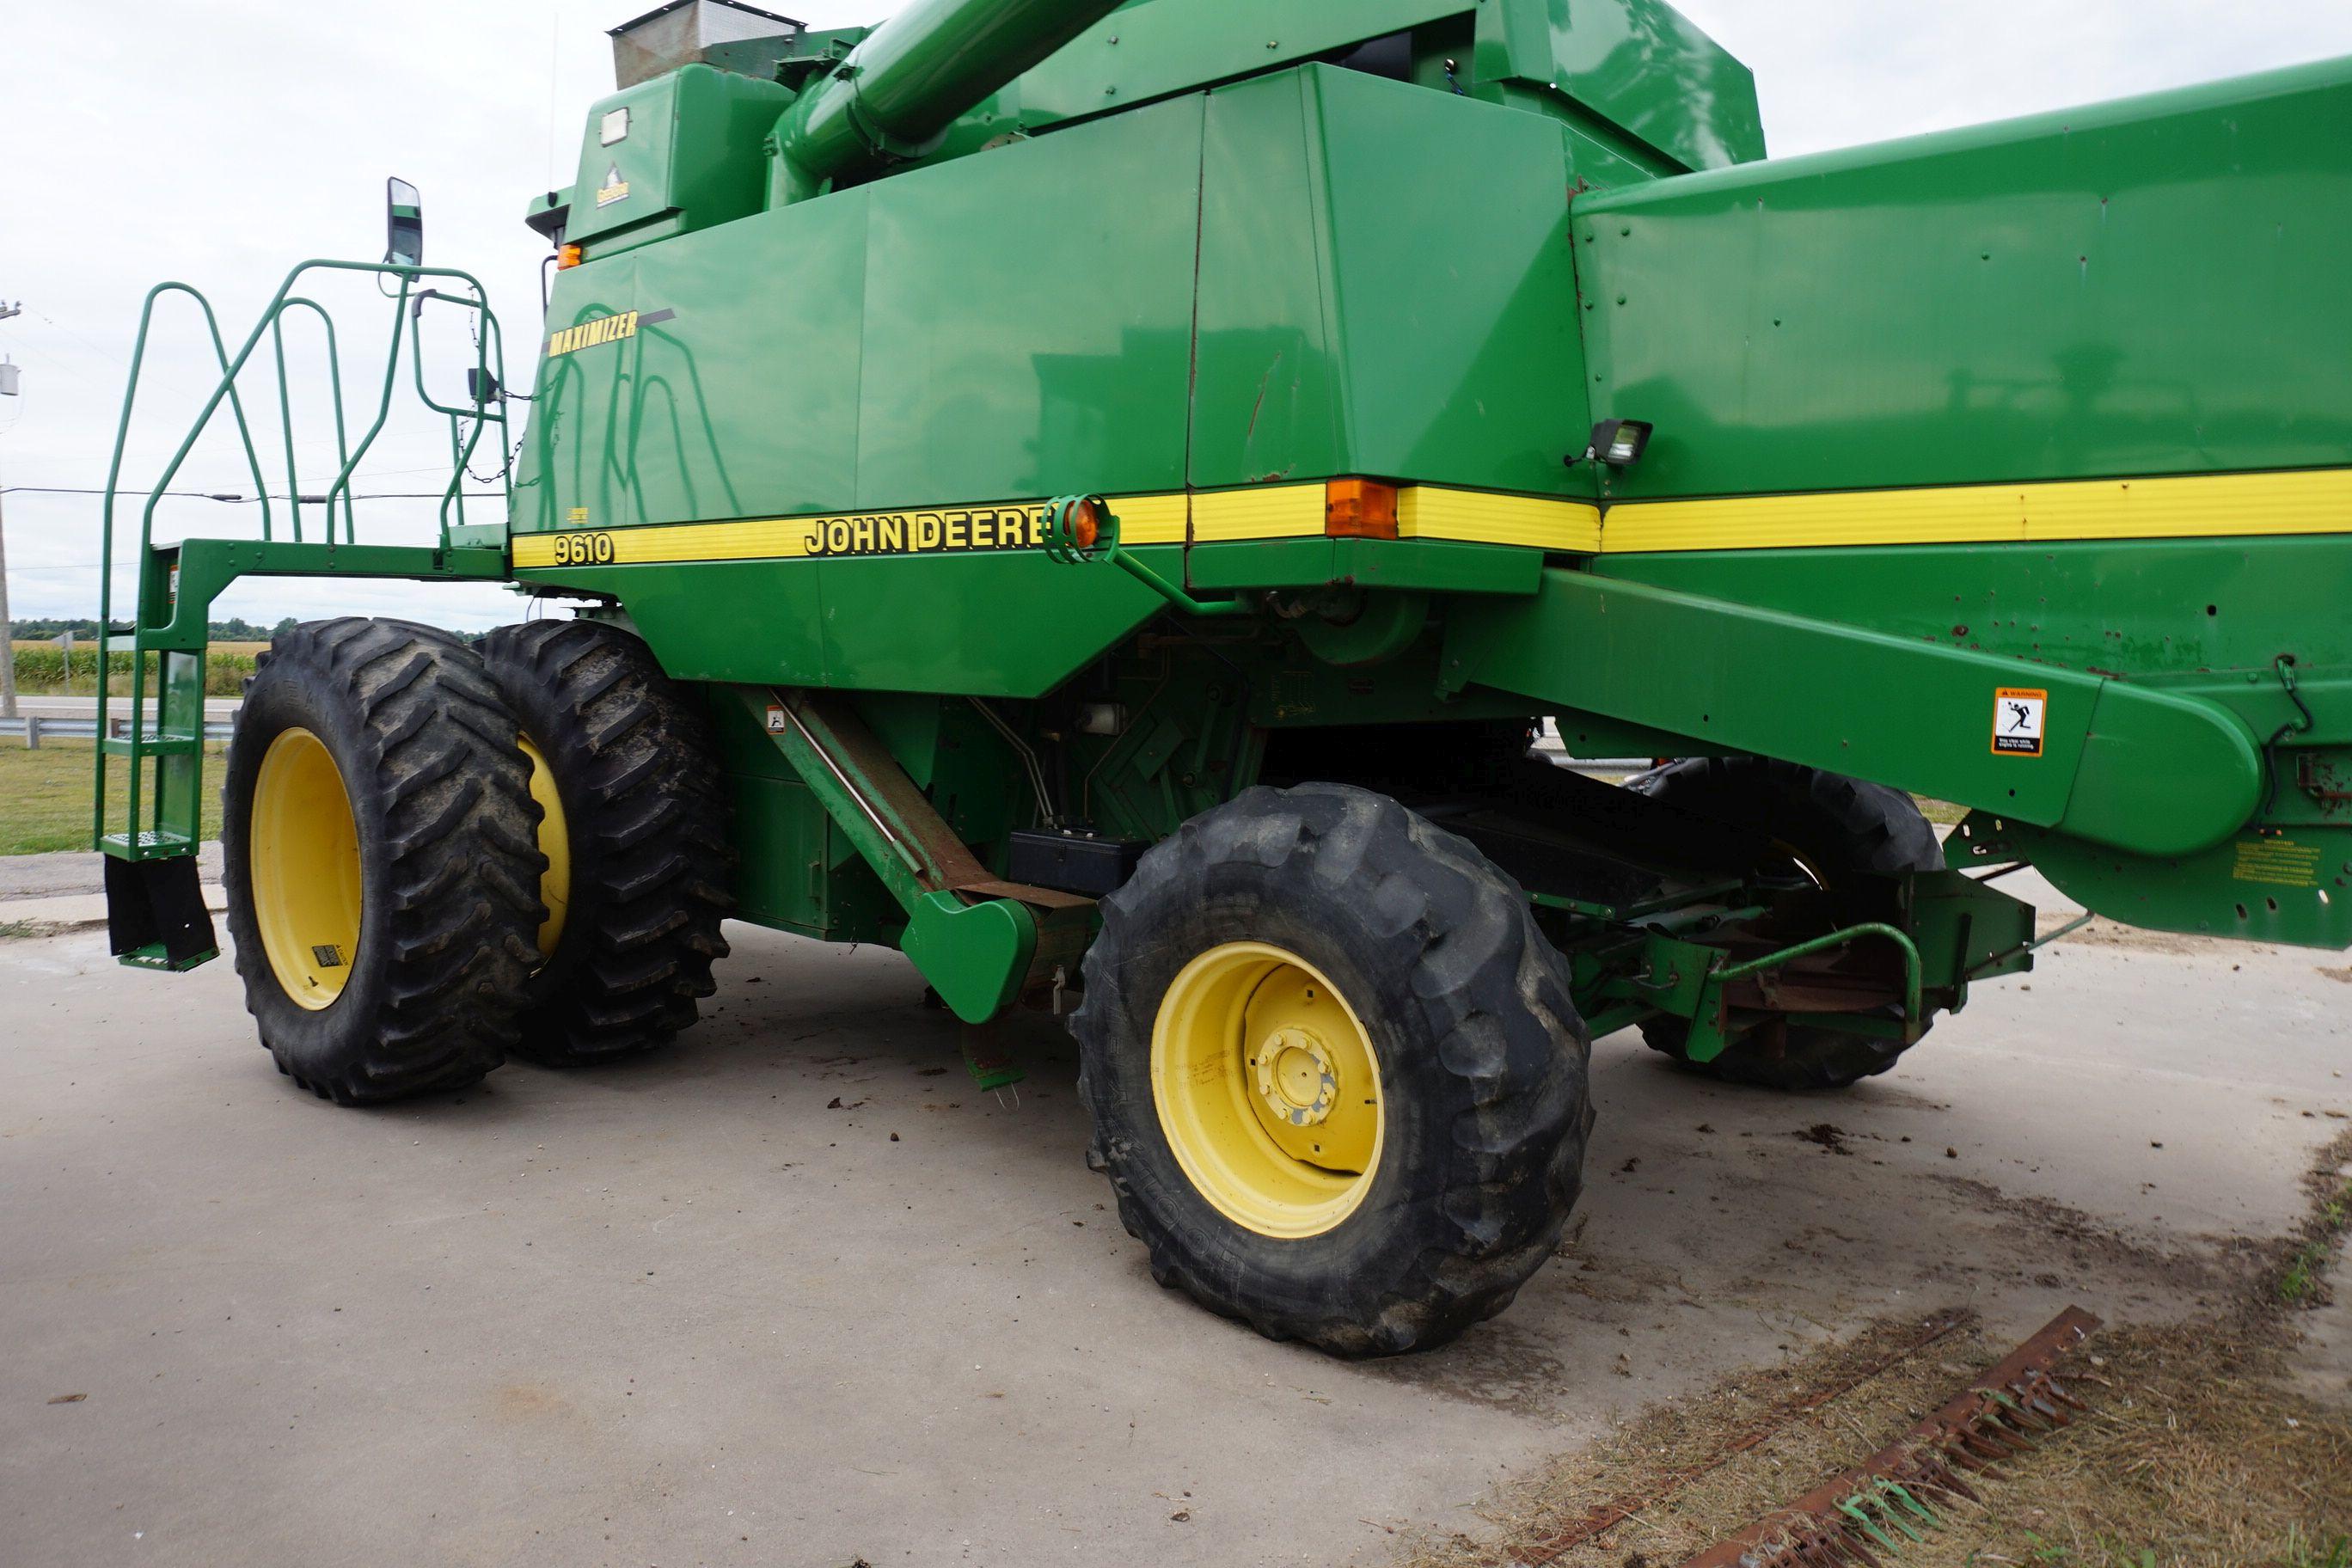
(2154, 286)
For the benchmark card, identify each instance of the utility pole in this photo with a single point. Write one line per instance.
(7, 628)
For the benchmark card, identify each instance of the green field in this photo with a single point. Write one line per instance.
(45, 795)
(43, 670)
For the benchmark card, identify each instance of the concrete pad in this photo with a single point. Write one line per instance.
(70, 910)
(76, 871)
(695, 1312)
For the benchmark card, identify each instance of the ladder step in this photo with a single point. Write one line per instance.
(149, 845)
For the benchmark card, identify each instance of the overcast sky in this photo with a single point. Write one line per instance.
(217, 143)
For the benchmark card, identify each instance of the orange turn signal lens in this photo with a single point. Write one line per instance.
(1086, 525)
(566, 256)
(1360, 509)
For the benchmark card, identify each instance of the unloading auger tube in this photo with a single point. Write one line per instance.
(900, 88)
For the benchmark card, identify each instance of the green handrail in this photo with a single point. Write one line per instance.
(479, 416)
(286, 419)
(489, 362)
(106, 546)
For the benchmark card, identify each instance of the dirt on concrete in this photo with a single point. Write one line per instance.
(687, 1311)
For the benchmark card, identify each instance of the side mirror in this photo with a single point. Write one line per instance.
(403, 225)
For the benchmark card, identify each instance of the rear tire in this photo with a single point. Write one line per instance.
(1467, 1048)
(1832, 825)
(645, 852)
(380, 860)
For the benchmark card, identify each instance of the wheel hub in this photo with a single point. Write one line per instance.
(1267, 1089)
(1296, 1078)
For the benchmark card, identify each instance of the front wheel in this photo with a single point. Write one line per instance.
(380, 858)
(1336, 1080)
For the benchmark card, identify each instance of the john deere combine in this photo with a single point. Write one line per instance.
(1100, 498)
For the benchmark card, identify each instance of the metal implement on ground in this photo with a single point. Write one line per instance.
(1869, 1514)
(1100, 498)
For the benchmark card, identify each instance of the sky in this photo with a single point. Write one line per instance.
(218, 145)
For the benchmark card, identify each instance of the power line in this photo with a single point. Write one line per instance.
(250, 501)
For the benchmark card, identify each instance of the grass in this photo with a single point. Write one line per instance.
(2302, 1280)
(45, 795)
(1942, 813)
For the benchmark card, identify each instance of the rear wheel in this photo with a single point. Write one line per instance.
(379, 861)
(1830, 826)
(1336, 1080)
(636, 832)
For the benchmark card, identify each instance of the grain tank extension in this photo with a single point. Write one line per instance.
(1102, 498)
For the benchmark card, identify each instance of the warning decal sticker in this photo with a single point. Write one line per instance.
(2279, 861)
(2017, 721)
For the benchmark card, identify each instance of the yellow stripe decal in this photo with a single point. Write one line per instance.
(1151, 520)
(2215, 506)
(2204, 506)
(1424, 511)
(1282, 511)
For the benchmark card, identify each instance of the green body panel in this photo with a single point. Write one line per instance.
(1000, 291)
(1343, 330)
(1010, 628)
(890, 401)
(1399, 563)
(976, 952)
(689, 157)
(2292, 885)
(665, 425)
(2169, 774)
(1639, 83)
(2208, 618)
(2154, 286)
(1638, 72)
(1071, 366)
(796, 871)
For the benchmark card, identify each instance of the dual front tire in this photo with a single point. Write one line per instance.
(435, 855)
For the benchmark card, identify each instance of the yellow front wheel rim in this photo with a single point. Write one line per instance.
(1268, 1089)
(555, 843)
(304, 863)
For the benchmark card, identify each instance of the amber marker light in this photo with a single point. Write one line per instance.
(1360, 509)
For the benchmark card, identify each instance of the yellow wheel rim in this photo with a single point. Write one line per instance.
(304, 863)
(1268, 1089)
(555, 843)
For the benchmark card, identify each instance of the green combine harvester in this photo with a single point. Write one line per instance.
(1101, 499)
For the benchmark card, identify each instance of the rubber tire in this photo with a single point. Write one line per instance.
(1483, 1065)
(440, 793)
(1838, 826)
(645, 804)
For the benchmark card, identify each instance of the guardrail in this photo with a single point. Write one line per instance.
(36, 727)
